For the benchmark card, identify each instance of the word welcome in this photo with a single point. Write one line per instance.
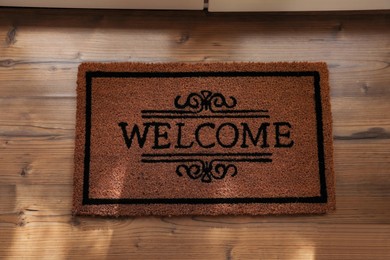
(161, 134)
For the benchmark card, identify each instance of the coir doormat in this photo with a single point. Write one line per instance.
(203, 139)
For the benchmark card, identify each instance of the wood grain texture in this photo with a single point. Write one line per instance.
(39, 54)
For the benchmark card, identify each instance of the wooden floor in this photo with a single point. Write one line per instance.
(39, 54)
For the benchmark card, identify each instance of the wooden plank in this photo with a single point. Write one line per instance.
(358, 201)
(168, 40)
(59, 80)
(183, 238)
(360, 111)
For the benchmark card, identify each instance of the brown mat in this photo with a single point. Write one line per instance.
(203, 139)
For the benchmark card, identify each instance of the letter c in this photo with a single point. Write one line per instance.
(210, 125)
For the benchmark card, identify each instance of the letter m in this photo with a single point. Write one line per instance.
(261, 131)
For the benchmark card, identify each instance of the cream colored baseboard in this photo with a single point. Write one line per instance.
(295, 5)
(213, 5)
(109, 4)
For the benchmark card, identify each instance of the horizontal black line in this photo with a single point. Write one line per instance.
(205, 116)
(157, 74)
(197, 160)
(167, 112)
(266, 160)
(204, 154)
(194, 112)
(315, 199)
(242, 111)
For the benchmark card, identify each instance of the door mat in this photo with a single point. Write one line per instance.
(203, 139)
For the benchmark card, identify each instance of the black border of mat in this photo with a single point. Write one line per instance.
(89, 75)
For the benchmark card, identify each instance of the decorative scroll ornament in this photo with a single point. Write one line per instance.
(205, 100)
(206, 171)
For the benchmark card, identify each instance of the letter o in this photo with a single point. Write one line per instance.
(234, 141)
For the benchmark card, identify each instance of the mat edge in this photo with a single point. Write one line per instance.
(297, 65)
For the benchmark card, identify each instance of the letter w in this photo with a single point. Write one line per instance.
(135, 131)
